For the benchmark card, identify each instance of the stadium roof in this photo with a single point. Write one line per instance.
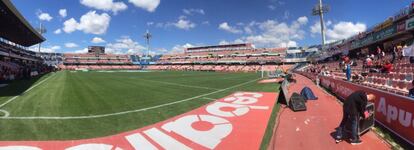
(15, 28)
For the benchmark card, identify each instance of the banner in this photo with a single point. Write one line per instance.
(393, 111)
(385, 33)
(238, 121)
(409, 24)
(401, 26)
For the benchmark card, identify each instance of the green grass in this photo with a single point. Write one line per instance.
(93, 93)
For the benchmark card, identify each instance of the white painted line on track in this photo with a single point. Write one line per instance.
(124, 112)
(13, 98)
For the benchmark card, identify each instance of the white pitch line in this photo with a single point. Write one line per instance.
(123, 112)
(183, 85)
(212, 99)
(13, 98)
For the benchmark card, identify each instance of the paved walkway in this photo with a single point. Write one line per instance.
(314, 128)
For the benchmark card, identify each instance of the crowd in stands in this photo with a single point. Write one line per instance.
(388, 70)
(13, 70)
(18, 63)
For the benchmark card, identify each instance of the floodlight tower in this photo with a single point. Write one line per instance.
(41, 30)
(319, 10)
(148, 37)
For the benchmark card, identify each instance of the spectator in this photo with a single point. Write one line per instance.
(348, 71)
(400, 52)
(379, 53)
(387, 67)
(394, 53)
(411, 92)
(368, 62)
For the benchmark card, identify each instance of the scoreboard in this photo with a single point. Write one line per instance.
(96, 50)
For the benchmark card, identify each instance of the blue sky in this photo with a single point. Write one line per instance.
(120, 24)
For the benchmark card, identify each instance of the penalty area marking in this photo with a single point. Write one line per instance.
(6, 113)
(182, 85)
(124, 112)
(207, 98)
(13, 98)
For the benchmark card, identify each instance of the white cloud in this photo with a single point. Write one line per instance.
(339, 31)
(85, 50)
(150, 23)
(71, 45)
(344, 30)
(223, 42)
(44, 16)
(271, 7)
(206, 23)
(97, 40)
(177, 49)
(63, 13)
(89, 23)
(124, 45)
(70, 25)
(185, 24)
(192, 11)
(226, 27)
(275, 4)
(272, 33)
(303, 20)
(58, 31)
(106, 5)
(149, 5)
(286, 15)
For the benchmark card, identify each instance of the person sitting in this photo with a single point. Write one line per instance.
(411, 92)
(387, 67)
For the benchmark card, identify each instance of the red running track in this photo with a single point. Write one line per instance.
(313, 129)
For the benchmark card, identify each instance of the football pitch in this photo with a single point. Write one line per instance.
(69, 105)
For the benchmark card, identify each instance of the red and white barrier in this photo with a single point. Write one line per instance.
(393, 111)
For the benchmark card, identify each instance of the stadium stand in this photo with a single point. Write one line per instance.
(16, 34)
(97, 62)
(222, 58)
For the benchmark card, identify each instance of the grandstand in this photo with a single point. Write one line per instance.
(16, 35)
(96, 59)
(222, 58)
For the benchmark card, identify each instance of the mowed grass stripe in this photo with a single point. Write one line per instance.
(86, 94)
(68, 84)
(125, 112)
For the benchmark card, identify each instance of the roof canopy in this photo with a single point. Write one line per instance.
(15, 28)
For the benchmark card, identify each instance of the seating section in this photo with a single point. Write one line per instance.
(220, 68)
(231, 59)
(262, 55)
(97, 62)
(399, 80)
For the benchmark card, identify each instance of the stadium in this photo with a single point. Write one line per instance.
(210, 96)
